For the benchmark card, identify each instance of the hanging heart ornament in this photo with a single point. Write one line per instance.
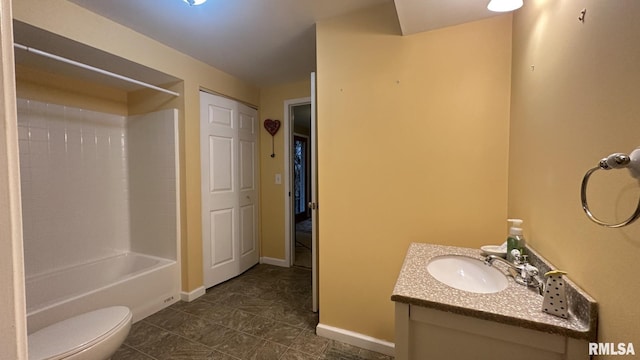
(272, 126)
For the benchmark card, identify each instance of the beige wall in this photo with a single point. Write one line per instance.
(413, 145)
(71, 21)
(272, 195)
(577, 105)
(40, 85)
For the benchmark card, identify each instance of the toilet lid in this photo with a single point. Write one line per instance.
(77, 333)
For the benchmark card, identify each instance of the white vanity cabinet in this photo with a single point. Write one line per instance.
(435, 321)
(428, 334)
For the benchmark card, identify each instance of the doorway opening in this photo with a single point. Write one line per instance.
(301, 178)
(301, 187)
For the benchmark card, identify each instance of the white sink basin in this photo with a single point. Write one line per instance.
(468, 274)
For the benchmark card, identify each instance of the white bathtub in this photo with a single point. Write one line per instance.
(144, 283)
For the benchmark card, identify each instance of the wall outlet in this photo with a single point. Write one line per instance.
(278, 179)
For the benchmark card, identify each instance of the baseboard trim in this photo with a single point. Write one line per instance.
(190, 296)
(356, 339)
(274, 261)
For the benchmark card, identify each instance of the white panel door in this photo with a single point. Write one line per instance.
(229, 190)
(247, 185)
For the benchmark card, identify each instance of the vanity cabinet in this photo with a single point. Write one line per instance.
(435, 321)
(429, 334)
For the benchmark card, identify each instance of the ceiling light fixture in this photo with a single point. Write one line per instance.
(195, 2)
(504, 5)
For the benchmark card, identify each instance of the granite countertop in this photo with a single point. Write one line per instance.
(516, 305)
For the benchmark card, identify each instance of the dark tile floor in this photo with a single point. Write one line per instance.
(262, 314)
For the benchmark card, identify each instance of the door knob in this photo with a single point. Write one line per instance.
(312, 205)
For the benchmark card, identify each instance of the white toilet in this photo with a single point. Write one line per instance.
(95, 335)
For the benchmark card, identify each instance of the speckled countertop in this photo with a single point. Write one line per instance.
(515, 305)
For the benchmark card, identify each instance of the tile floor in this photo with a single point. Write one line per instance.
(262, 314)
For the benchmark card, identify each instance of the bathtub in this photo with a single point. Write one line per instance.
(145, 284)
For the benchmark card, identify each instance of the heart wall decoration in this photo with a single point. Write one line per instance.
(272, 127)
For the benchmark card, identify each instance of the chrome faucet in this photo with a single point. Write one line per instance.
(523, 272)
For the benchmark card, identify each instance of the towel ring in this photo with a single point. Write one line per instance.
(613, 161)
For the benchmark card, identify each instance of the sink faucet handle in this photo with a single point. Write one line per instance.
(530, 270)
(529, 274)
(516, 256)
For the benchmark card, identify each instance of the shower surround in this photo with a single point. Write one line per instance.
(100, 210)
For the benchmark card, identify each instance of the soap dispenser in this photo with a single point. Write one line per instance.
(515, 240)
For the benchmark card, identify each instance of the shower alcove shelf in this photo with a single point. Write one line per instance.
(100, 182)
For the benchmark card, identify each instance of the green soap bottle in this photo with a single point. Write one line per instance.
(515, 240)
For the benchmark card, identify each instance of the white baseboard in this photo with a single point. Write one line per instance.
(356, 339)
(190, 296)
(274, 261)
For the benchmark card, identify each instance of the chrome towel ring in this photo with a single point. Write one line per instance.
(613, 161)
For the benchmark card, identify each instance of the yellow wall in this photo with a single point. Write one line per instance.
(579, 104)
(69, 20)
(43, 86)
(413, 147)
(272, 195)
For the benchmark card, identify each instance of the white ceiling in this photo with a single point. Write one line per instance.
(265, 42)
